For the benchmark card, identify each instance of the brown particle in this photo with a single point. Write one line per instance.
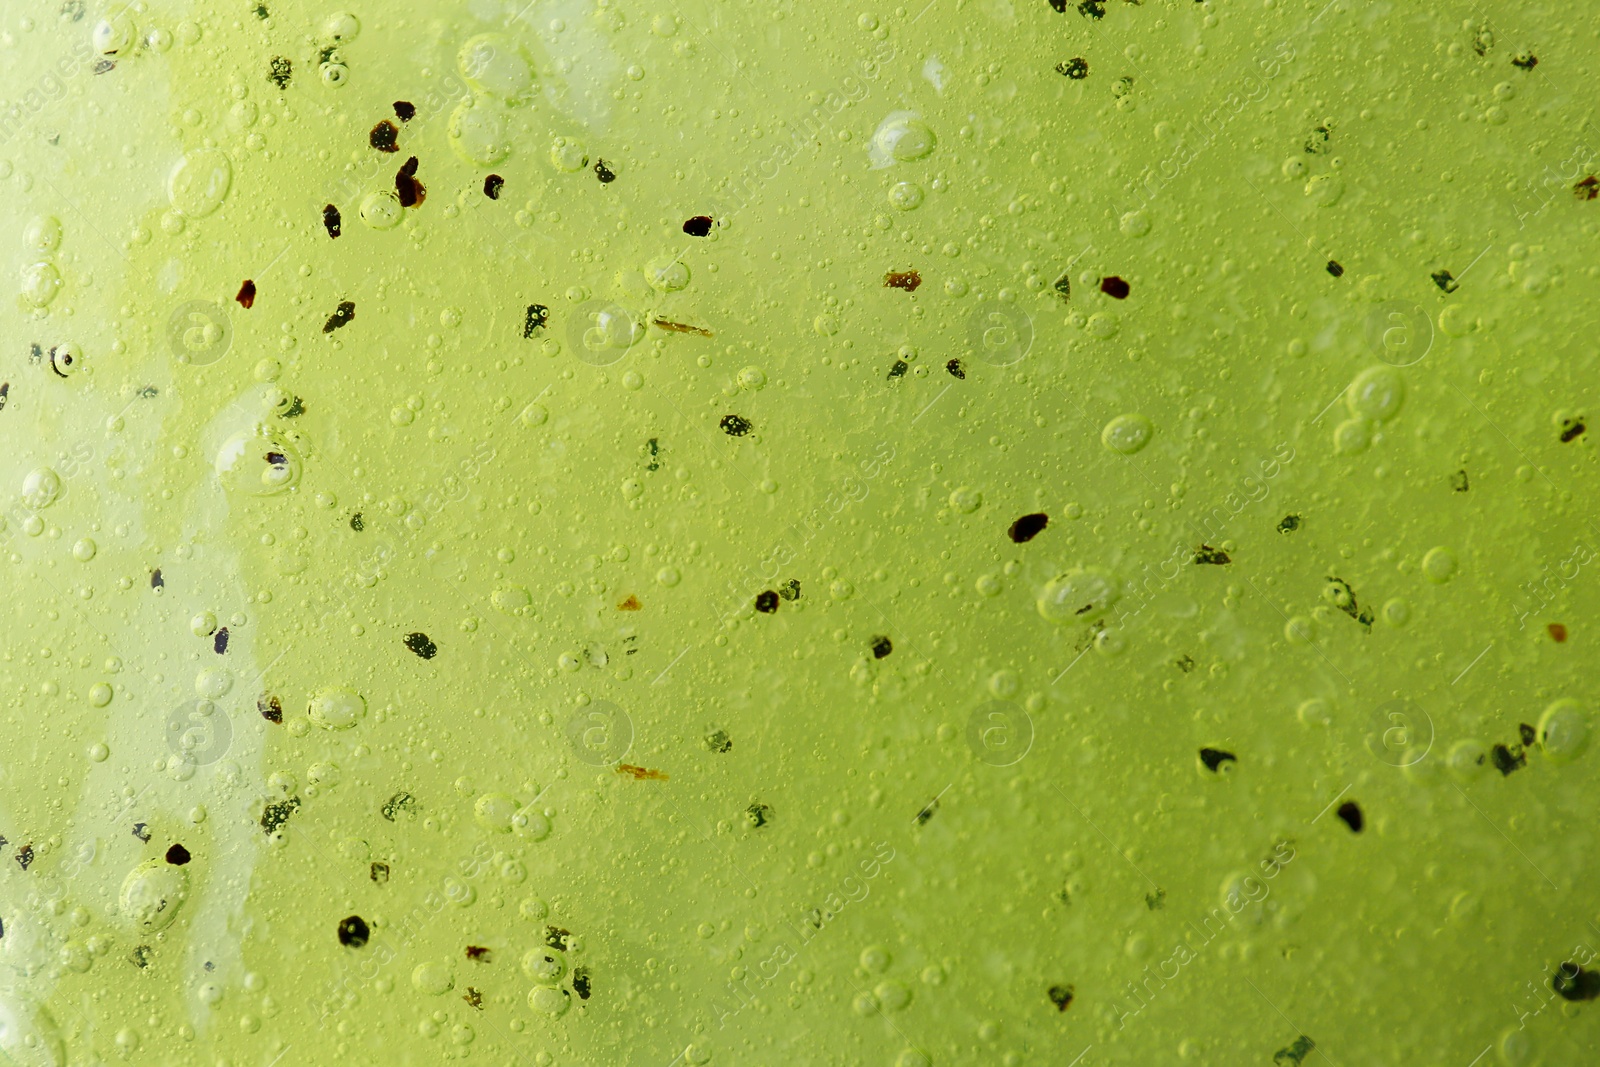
(1558, 632)
(385, 137)
(699, 226)
(479, 954)
(247, 294)
(641, 773)
(473, 997)
(177, 855)
(767, 602)
(1115, 287)
(410, 191)
(270, 709)
(404, 110)
(1587, 189)
(492, 186)
(906, 280)
(631, 604)
(680, 327)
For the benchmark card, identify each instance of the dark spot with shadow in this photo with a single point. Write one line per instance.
(956, 369)
(603, 171)
(406, 186)
(353, 931)
(898, 370)
(1060, 996)
(277, 813)
(1572, 982)
(270, 709)
(555, 937)
(1295, 1053)
(1335, 269)
(1525, 61)
(904, 280)
(1445, 280)
(219, 641)
(881, 647)
(140, 830)
(580, 982)
(177, 855)
(492, 186)
(1527, 733)
(479, 954)
(1290, 524)
(342, 316)
(1572, 429)
(735, 425)
(1214, 758)
(1115, 287)
(280, 71)
(1215, 556)
(378, 872)
(1506, 759)
(767, 602)
(330, 220)
(247, 294)
(1458, 481)
(537, 315)
(421, 645)
(356, 524)
(1077, 69)
(719, 741)
(790, 590)
(1028, 527)
(404, 110)
(400, 802)
(385, 137)
(1350, 812)
(699, 226)
(156, 581)
(758, 814)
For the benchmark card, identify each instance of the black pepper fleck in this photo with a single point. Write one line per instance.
(699, 226)
(356, 524)
(1214, 758)
(219, 641)
(404, 110)
(492, 186)
(385, 137)
(580, 982)
(330, 220)
(1335, 269)
(1115, 287)
(177, 855)
(881, 647)
(735, 425)
(758, 814)
(1290, 524)
(1028, 527)
(1077, 69)
(342, 315)
(421, 645)
(767, 602)
(353, 931)
(1572, 982)
(270, 709)
(956, 369)
(1207, 554)
(537, 315)
(898, 370)
(1350, 812)
(603, 171)
(280, 71)
(790, 590)
(1060, 996)
(378, 872)
(406, 186)
(1445, 280)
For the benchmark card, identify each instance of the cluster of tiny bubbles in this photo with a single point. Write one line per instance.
(260, 461)
(1374, 398)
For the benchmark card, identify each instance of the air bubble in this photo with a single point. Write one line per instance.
(478, 131)
(1077, 594)
(1127, 434)
(199, 182)
(337, 709)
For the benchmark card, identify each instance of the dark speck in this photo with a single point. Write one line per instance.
(1063, 286)
(1571, 429)
(1587, 189)
(603, 171)
(219, 641)
(555, 937)
(537, 315)
(156, 581)
(378, 872)
(719, 741)
(421, 645)
(758, 814)
(1527, 733)
(1184, 663)
(1506, 760)
(734, 425)
(1558, 632)
(139, 830)
(262, 12)
(767, 602)
(904, 280)
(927, 812)
(899, 369)
(276, 814)
(1094, 9)
(1076, 69)
(956, 369)
(406, 186)
(1214, 758)
(1290, 524)
(177, 855)
(790, 590)
(404, 110)
(1335, 269)
(1445, 280)
(385, 136)
(140, 956)
(270, 709)
(580, 982)
(330, 220)
(479, 954)
(699, 226)
(1115, 287)
(280, 71)
(1526, 61)
(1028, 527)
(353, 931)
(25, 856)
(1350, 812)
(400, 802)
(1574, 983)
(492, 186)
(5, 390)
(356, 524)
(1059, 6)
(247, 294)
(1060, 996)
(340, 317)
(881, 647)
(1458, 481)
(1207, 554)
(1296, 1053)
